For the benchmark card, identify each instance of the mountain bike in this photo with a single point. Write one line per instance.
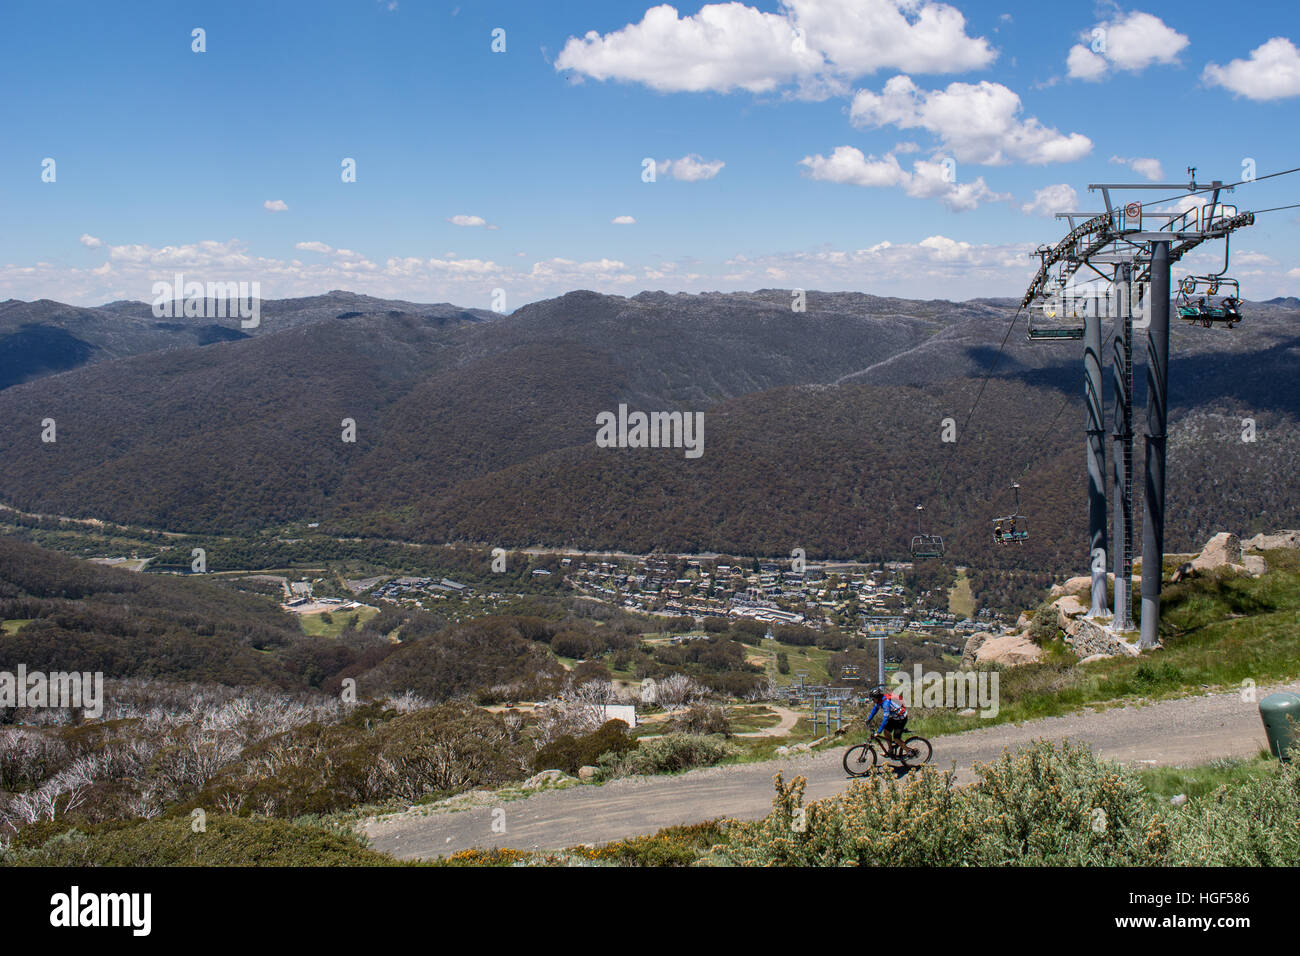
(863, 759)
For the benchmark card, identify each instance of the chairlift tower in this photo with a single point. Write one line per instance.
(1131, 248)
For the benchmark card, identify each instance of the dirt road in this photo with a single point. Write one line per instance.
(1176, 733)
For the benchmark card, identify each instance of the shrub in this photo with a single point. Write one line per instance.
(876, 822)
(568, 753)
(227, 841)
(1041, 805)
(702, 718)
(1252, 824)
(1047, 806)
(1043, 627)
(577, 644)
(670, 753)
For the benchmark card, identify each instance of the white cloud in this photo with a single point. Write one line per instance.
(88, 240)
(817, 44)
(726, 46)
(1050, 200)
(313, 247)
(975, 122)
(927, 179)
(936, 266)
(463, 220)
(1082, 64)
(691, 168)
(1271, 73)
(1130, 42)
(623, 221)
(1150, 168)
(276, 205)
(860, 37)
(847, 164)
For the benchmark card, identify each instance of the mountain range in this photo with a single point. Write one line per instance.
(822, 427)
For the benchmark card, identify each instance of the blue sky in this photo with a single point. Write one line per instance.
(815, 136)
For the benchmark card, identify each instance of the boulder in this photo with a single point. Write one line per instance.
(1255, 564)
(588, 773)
(1089, 639)
(973, 644)
(1067, 609)
(546, 778)
(1082, 585)
(1008, 650)
(1223, 550)
(1270, 542)
(1095, 657)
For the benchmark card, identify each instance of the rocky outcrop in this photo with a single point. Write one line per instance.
(1008, 650)
(1067, 609)
(1077, 585)
(1271, 542)
(1223, 550)
(973, 644)
(1089, 639)
(545, 779)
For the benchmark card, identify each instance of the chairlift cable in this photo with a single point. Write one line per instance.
(1210, 189)
(978, 395)
(985, 380)
(1293, 205)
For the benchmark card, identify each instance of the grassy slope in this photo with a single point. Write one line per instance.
(1217, 631)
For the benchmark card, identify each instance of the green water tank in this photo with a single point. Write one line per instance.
(1281, 716)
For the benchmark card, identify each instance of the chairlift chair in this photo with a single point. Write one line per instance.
(925, 545)
(1012, 528)
(1046, 321)
(1203, 310)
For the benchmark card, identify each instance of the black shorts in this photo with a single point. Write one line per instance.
(894, 725)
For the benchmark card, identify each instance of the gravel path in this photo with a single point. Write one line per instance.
(1180, 732)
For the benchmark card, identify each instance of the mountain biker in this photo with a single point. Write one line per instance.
(894, 719)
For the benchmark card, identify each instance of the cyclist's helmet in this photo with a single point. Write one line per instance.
(876, 693)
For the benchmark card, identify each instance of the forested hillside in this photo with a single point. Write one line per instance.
(822, 429)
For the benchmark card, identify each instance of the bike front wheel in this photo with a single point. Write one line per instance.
(914, 752)
(860, 760)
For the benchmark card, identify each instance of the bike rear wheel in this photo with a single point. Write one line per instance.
(860, 760)
(914, 752)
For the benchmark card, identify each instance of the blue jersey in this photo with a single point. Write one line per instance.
(892, 706)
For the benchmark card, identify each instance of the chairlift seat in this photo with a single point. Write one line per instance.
(927, 546)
